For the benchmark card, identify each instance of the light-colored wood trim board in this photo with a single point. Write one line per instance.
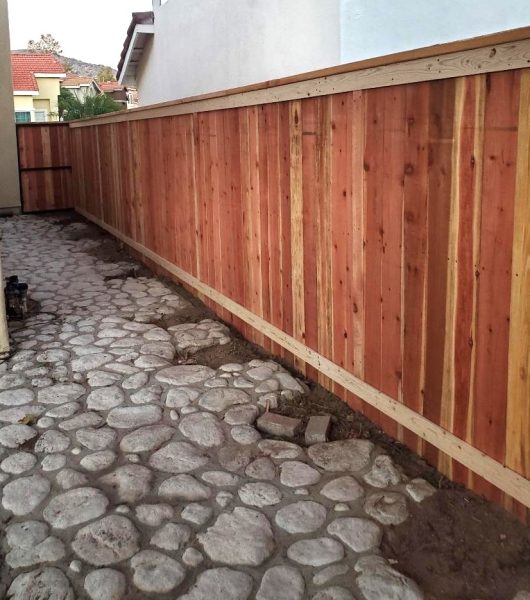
(491, 470)
(488, 59)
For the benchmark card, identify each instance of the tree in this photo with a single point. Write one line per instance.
(47, 43)
(66, 102)
(91, 106)
(106, 74)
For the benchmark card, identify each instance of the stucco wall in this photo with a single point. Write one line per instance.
(9, 186)
(49, 89)
(205, 46)
(378, 27)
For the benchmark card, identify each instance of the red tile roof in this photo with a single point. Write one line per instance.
(24, 67)
(76, 80)
(111, 86)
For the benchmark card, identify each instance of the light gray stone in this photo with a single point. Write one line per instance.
(180, 397)
(154, 514)
(221, 478)
(197, 513)
(419, 490)
(49, 550)
(220, 583)
(53, 462)
(185, 374)
(16, 397)
(316, 552)
(184, 487)
(147, 395)
(98, 461)
(344, 455)
(46, 583)
(60, 393)
(281, 583)
(11, 380)
(383, 473)
(378, 579)
(288, 382)
(105, 584)
(96, 439)
(317, 429)
(105, 398)
(164, 350)
(131, 417)
(361, 535)
(51, 442)
(260, 494)
(53, 356)
(389, 508)
(178, 457)
(146, 439)
(343, 489)
(242, 537)
(261, 468)
(26, 534)
(193, 558)
(172, 536)
(14, 415)
(135, 381)
(278, 425)
(63, 411)
(297, 474)
(86, 419)
(234, 457)
(13, 436)
(106, 542)
(202, 428)
(278, 449)
(305, 516)
(86, 363)
(74, 507)
(130, 483)
(102, 378)
(220, 399)
(155, 572)
(24, 494)
(70, 478)
(18, 463)
(245, 414)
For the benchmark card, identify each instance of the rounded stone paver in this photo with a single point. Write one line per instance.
(242, 537)
(146, 439)
(60, 393)
(218, 400)
(305, 516)
(18, 463)
(184, 487)
(178, 457)
(129, 483)
(316, 552)
(106, 542)
(361, 535)
(74, 507)
(260, 494)
(281, 583)
(132, 417)
(105, 398)
(389, 508)
(155, 572)
(13, 436)
(24, 494)
(46, 583)
(51, 442)
(298, 474)
(338, 593)
(378, 579)
(202, 428)
(343, 489)
(220, 583)
(185, 374)
(105, 584)
(344, 455)
(16, 397)
(172, 536)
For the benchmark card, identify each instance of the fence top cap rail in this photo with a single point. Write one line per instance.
(437, 50)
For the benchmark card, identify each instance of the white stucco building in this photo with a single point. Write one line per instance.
(189, 47)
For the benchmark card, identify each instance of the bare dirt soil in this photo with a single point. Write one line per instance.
(456, 545)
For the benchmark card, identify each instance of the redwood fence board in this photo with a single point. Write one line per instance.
(386, 229)
(45, 166)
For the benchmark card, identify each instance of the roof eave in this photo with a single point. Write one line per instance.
(127, 73)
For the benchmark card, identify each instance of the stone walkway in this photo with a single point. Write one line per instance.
(127, 475)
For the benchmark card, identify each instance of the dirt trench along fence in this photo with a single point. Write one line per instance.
(370, 223)
(45, 169)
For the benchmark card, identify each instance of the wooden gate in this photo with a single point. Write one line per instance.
(45, 166)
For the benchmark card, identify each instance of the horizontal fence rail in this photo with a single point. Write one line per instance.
(44, 166)
(376, 238)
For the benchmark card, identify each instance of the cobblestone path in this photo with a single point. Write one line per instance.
(124, 474)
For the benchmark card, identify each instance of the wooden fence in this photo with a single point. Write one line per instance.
(369, 223)
(44, 166)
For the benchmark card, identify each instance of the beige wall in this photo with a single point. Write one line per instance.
(9, 186)
(49, 89)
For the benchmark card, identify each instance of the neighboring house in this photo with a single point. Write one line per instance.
(36, 86)
(184, 47)
(126, 97)
(81, 87)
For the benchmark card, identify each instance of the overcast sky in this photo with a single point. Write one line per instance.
(94, 33)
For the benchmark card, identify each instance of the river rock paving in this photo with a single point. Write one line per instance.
(125, 474)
